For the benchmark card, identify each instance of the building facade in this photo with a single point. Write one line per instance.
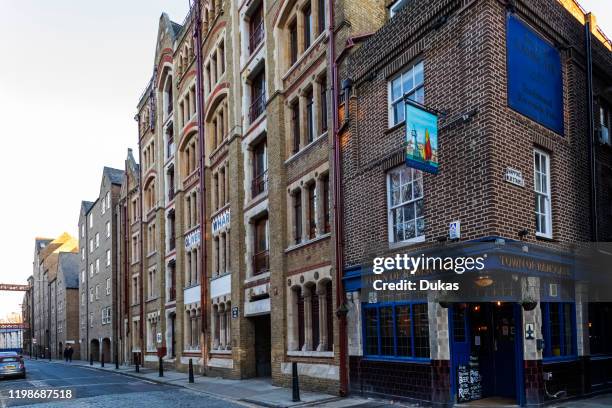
(98, 244)
(64, 310)
(515, 180)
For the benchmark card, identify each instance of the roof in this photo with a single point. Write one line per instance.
(176, 28)
(41, 243)
(86, 206)
(114, 175)
(69, 265)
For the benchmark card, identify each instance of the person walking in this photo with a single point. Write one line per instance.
(66, 354)
(70, 352)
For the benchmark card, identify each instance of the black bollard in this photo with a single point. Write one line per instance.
(116, 361)
(191, 380)
(295, 382)
(161, 367)
(102, 361)
(90, 358)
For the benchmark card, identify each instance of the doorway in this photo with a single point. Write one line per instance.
(263, 346)
(486, 353)
(172, 335)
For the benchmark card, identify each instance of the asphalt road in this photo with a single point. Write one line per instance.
(94, 388)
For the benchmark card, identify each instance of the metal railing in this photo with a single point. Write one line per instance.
(257, 106)
(261, 262)
(256, 37)
(259, 184)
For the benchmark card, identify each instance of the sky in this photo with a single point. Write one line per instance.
(70, 79)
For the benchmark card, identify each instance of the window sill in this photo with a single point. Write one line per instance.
(306, 148)
(410, 242)
(223, 352)
(414, 360)
(308, 242)
(393, 128)
(542, 237)
(299, 353)
(254, 278)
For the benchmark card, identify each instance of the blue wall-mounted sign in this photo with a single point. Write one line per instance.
(535, 84)
(421, 138)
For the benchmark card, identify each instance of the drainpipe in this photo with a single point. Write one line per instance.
(126, 281)
(590, 127)
(341, 309)
(140, 287)
(197, 35)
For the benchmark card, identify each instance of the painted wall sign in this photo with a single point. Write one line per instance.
(221, 221)
(192, 239)
(535, 85)
(514, 176)
(421, 138)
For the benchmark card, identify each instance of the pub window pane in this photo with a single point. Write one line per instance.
(371, 331)
(386, 331)
(403, 331)
(421, 330)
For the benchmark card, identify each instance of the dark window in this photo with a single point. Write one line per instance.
(259, 169)
(260, 259)
(307, 26)
(314, 303)
(312, 211)
(321, 16)
(459, 319)
(256, 28)
(258, 96)
(293, 42)
(171, 222)
(400, 330)
(295, 125)
(297, 212)
(222, 56)
(558, 327)
(310, 116)
(330, 315)
(600, 328)
(323, 112)
(326, 204)
(300, 311)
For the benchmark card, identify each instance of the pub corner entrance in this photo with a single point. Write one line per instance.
(486, 351)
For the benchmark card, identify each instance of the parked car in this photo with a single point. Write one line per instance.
(12, 365)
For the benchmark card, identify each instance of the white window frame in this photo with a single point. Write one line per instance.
(108, 204)
(391, 208)
(83, 276)
(91, 270)
(98, 265)
(90, 220)
(537, 153)
(91, 295)
(108, 257)
(97, 239)
(82, 254)
(108, 229)
(411, 70)
(108, 286)
(605, 119)
(91, 245)
(82, 230)
(97, 292)
(396, 7)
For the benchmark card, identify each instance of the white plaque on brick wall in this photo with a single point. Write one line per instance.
(514, 176)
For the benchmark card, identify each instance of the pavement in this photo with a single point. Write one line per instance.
(254, 392)
(96, 386)
(89, 387)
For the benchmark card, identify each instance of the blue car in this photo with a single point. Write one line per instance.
(12, 365)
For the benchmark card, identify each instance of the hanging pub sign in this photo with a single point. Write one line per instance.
(535, 85)
(421, 137)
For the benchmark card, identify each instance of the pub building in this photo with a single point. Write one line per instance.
(467, 132)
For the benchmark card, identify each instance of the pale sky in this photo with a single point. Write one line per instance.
(70, 78)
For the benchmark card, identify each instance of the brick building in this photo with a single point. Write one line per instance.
(64, 310)
(98, 270)
(461, 60)
(49, 256)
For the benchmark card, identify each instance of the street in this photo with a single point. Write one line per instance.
(92, 387)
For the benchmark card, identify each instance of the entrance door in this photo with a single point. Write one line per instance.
(263, 346)
(484, 337)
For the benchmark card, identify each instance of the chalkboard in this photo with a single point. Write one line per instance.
(469, 381)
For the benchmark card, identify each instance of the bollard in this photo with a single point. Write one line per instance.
(102, 361)
(295, 382)
(90, 358)
(191, 380)
(116, 361)
(161, 367)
